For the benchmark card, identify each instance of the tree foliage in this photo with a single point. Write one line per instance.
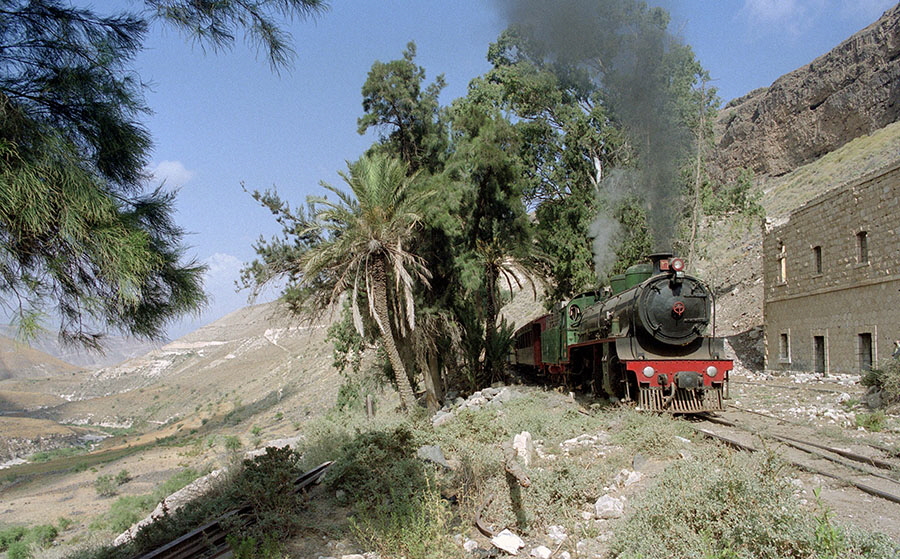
(76, 230)
(217, 22)
(406, 111)
(567, 140)
(360, 250)
(81, 237)
(519, 170)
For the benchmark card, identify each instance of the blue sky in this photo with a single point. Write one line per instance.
(223, 119)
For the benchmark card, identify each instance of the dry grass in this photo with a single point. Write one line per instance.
(853, 160)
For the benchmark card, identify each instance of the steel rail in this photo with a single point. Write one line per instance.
(892, 452)
(876, 462)
(848, 465)
(806, 467)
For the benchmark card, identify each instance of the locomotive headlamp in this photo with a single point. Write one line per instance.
(649, 372)
(677, 264)
(712, 371)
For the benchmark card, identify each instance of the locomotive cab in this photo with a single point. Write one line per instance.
(644, 340)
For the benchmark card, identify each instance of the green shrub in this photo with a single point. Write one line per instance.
(250, 548)
(874, 422)
(18, 541)
(11, 535)
(19, 550)
(48, 455)
(127, 510)
(886, 379)
(398, 509)
(106, 486)
(42, 535)
(733, 506)
(267, 483)
(232, 443)
(122, 477)
(176, 482)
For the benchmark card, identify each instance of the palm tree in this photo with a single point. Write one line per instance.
(510, 264)
(363, 236)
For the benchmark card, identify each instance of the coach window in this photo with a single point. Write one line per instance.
(862, 247)
(817, 260)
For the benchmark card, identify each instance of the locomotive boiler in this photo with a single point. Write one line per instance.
(644, 339)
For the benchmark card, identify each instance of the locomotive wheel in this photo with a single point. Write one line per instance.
(616, 383)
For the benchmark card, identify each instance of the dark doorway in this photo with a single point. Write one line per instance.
(865, 351)
(819, 349)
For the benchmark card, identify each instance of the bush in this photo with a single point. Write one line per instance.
(266, 483)
(886, 380)
(735, 505)
(397, 505)
(874, 422)
(127, 510)
(250, 548)
(106, 486)
(11, 535)
(122, 477)
(232, 443)
(42, 535)
(19, 550)
(17, 541)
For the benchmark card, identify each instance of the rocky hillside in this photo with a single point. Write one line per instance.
(116, 349)
(850, 91)
(247, 362)
(19, 361)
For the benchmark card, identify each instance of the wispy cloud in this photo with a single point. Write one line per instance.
(782, 16)
(773, 10)
(173, 173)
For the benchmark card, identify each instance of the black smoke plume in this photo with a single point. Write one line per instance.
(624, 45)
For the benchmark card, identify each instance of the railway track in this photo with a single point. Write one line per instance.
(870, 468)
(209, 540)
(791, 386)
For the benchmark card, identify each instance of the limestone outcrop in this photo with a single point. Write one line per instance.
(850, 91)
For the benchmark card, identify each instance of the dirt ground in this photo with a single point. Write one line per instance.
(824, 410)
(826, 406)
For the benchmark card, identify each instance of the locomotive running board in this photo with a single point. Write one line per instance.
(683, 401)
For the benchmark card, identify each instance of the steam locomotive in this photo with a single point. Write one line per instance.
(642, 339)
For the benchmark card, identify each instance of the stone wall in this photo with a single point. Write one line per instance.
(832, 279)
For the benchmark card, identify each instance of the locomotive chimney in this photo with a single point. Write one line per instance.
(660, 262)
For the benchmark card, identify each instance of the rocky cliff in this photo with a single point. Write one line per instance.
(852, 90)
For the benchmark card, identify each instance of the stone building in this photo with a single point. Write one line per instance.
(832, 279)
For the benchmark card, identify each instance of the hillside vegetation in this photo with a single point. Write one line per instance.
(560, 474)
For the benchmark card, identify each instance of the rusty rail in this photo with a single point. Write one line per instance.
(209, 540)
(811, 469)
